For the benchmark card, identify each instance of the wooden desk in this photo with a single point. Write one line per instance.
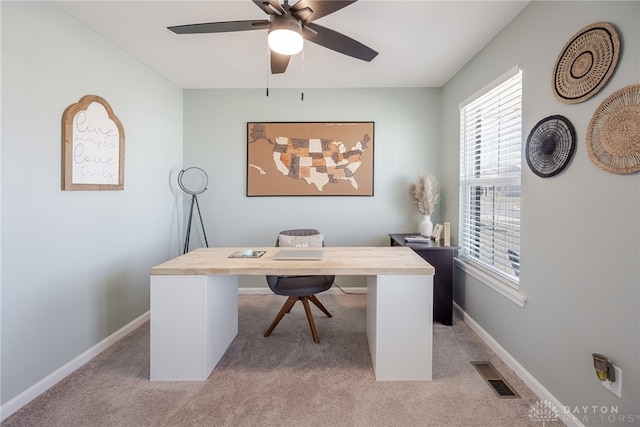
(441, 257)
(194, 307)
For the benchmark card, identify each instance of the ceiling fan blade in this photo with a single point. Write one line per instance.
(270, 7)
(336, 41)
(279, 62)
(220, 27)
(310, 10)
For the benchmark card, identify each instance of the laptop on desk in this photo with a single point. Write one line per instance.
(299, 254)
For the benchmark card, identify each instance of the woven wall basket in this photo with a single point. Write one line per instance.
(586, 63)
(613, 136)
(550, 146)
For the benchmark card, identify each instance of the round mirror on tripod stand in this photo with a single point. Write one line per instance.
(193, 181)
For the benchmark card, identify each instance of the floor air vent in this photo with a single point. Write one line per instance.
(498, 384)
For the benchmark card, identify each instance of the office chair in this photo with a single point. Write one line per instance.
(299, 288)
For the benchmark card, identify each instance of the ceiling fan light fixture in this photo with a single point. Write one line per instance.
(288, 27)
(285, 36)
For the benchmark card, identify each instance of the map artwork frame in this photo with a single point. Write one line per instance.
(310, 158)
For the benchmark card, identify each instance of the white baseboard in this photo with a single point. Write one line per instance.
(52, 379)
(46, 383)
(524, 375)
(55, 377)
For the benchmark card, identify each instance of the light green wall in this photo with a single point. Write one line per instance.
(407, 142)
(75, 264)
(67, 283)
(580, 229)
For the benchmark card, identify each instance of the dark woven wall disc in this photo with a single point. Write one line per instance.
(550, 146)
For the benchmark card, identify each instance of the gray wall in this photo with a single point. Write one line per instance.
(580, 229)
(407, 142)
(75, 264)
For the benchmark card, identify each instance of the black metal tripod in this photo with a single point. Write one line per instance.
(194, 200)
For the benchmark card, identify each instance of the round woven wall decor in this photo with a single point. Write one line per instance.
(550, 146)
(585, 63)
(613, 136)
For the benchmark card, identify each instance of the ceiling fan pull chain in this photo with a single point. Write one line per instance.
(268, 59)
(302, 75)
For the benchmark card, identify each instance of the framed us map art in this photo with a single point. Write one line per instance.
(310, 158)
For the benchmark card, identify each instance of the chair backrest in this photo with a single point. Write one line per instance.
(299, 232)
(272, 280)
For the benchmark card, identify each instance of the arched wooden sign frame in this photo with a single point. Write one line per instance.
(92, 146)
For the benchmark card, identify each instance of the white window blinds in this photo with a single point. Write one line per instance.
(490, 166)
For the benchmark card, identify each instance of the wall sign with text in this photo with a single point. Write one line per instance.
(92, 146)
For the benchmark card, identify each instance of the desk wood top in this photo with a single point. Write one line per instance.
(349, 261)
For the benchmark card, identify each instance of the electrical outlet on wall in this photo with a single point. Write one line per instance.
(615, 387)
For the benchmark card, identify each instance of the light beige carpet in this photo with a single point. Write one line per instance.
(287, 380)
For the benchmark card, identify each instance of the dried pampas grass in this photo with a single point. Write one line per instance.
(425, 193)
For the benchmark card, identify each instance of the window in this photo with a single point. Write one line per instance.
(490, 167)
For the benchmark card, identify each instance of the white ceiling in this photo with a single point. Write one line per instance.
(421, 43)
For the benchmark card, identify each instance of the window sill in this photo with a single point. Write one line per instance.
(494, 283)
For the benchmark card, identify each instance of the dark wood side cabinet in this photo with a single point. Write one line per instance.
(441, 258)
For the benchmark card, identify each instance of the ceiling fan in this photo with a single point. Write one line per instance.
(288, 25)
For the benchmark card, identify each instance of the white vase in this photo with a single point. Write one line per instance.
(426, 226)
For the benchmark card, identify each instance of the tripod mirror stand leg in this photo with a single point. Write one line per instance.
(194, 200)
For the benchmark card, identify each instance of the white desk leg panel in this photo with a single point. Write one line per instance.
(193, 321)
(400, 326)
